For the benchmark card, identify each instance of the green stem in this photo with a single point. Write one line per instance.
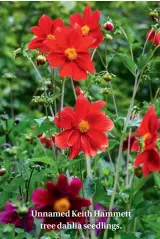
(62, 96)
(27, 190)
(89, 174)
(40, 77)
(74, 91)
(114, 100)
(50, 136)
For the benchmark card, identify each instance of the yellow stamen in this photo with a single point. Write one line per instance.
(83, 126)
(62, 205)
(71, 53)
(51, 37)
(85, 29)
(144, 138)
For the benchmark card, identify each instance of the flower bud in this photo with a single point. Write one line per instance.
(108, 37)
(41, 101)
(17, 53)
(107, 77)
(41, 60)
(27, 138)
(138, 172)
(22, 211)
(108, 26)
(105, 91)
(153, 15)
(2, 171)
(32, 127)
(17, 121)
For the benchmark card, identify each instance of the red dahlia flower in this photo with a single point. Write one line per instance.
(150, 159)
(154, 37)
(148, 130)
(89, 24)
(45, 30)
(10, 215)
(70, 52)
(44, 140)
(61, 197)
(85, 127)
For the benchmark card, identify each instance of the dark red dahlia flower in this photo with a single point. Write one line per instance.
(134, 146)
(10, 215)
(45, 30)
(70, 52)
(150, 159)
(154, 37)
(61, 197)
(85, 127)
(148, 129)
(89, 24)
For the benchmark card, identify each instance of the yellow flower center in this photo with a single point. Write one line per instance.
(71, 53)
(85, 29)
(51, 37)
(62, 205)
(83, 126)
(144, 138)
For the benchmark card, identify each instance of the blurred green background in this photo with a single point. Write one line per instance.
(15, 22)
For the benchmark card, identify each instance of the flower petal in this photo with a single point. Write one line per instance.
(40, 197)
(81, 107)
(76, 18)
(61, 139)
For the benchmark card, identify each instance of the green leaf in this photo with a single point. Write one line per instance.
(46, 160)
(89, 187)
(109, 58)
(130, 35)
(41, 120)
(112, 144)
(134, 122)
(142, 60)
(128, 62)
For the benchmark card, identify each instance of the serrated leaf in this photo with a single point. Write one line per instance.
(89, 187)
(109, 58)
(130, 35)
(128, 62)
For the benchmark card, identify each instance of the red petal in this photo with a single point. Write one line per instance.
(66, 118)
(75, 186)
(73, 137)
(98, 36)
(81, 107)
(77, 72)
(40, 197)
(95, 18)
(75, 36)
(98, 139)
(140, 159)
(38, 32)
(56, 60)
(85, 145)
(61, 139)
(153, 160)
(78, 203)
(99, 121)
(85, 43)
(76, 18)
(62, 36)
(97, 105)
(62, 184)
(66, 70)
(74, 150)
(150, 35)
(45, 23)
(84, 62)
(87, 15)
(56, 23)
